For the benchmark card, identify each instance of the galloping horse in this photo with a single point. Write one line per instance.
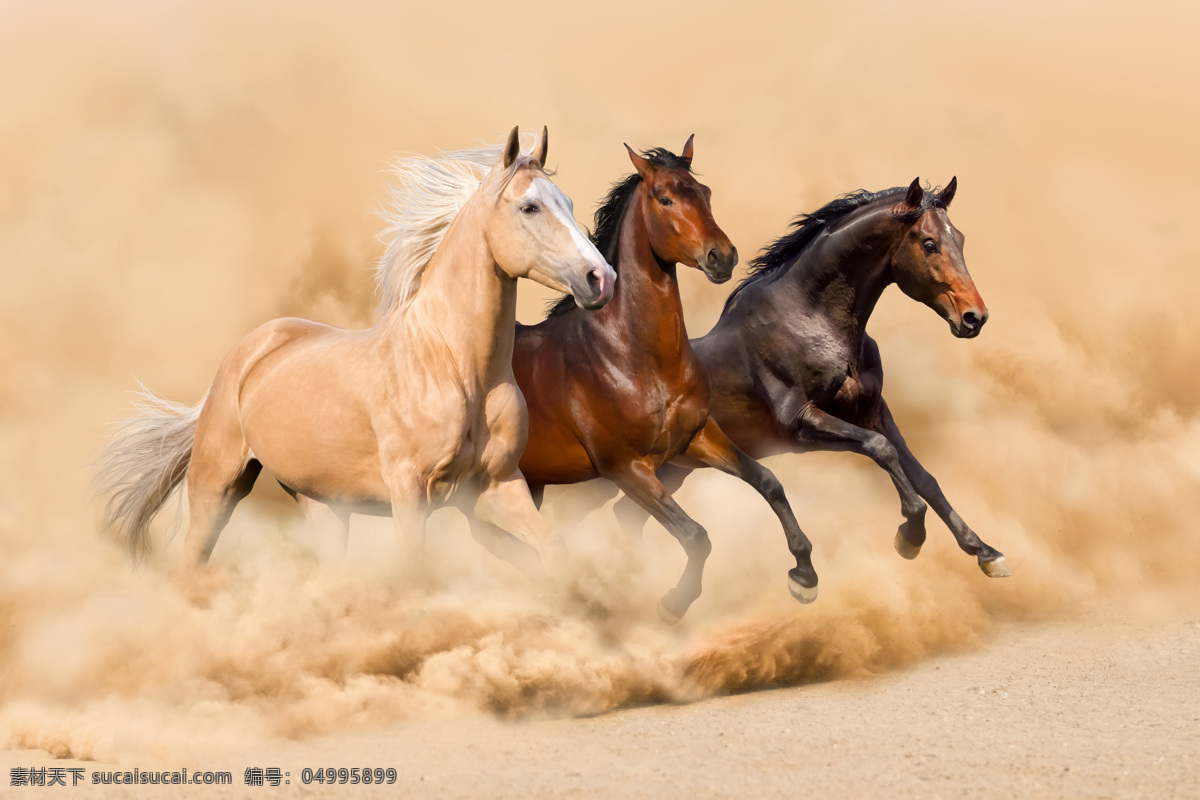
(617, 393)
(401, 417)
(793, 368)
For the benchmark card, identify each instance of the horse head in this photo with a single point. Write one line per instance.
(532, 232)
(678, 214)
(928, 263)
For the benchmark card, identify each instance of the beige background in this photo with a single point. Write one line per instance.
(172, 174)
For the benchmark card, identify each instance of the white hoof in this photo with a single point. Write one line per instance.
(802, 593)
(667, 615)
(905, 548)
(996, 568)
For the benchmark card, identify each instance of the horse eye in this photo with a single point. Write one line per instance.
(529, 208)
(930, 246)
(664, 200)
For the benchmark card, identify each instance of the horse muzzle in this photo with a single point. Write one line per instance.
(969, 323)
(596, 289)
(717, 265)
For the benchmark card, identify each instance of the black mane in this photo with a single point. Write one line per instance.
(776, 257)
(611, 210)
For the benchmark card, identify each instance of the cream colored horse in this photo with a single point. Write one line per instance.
(419, 411)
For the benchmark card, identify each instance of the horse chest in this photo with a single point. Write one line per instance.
(666, 417)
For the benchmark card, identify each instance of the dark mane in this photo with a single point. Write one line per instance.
(611, 211)
(776, 257)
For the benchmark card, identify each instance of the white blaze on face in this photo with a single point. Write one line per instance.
(947, 231)
(554, 202)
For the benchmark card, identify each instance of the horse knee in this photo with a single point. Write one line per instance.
(773, 490)
(881, 450)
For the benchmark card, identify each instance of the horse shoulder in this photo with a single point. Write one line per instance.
(750, 372)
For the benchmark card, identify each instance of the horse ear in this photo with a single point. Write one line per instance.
(948, 193)
(513, 148)
(686, 155)
(642, 165)
(915, 193)
(543, 145)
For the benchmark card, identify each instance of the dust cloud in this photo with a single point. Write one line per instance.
(176, 173)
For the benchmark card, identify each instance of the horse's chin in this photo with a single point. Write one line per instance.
(717, 276)
(591, 306)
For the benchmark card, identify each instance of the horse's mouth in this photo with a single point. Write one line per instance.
(961, 331)
(717, 276)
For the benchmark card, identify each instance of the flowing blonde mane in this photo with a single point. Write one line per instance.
(426, 194)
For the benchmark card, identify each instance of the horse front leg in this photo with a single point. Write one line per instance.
(506, 547)
(638, 481)
(714, 448)
(410, 514)
(631, 516)
(819, 430)
(506, 503)
(991, 560)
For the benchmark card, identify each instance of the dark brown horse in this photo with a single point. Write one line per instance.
(793, 368)
(617, 393)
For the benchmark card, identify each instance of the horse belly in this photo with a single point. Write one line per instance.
(556, 458)
(326, 456)
(749, 424)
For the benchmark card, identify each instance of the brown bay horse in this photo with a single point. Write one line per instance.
(418, 411)
(793, 368)
(617, 393)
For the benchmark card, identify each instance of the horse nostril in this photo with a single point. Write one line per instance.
(971, 320)
(594, 279)
(714, 258)
(733, 258)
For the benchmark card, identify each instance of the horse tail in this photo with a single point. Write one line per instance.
(144, 464)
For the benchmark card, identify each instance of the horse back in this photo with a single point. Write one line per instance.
(295, 390)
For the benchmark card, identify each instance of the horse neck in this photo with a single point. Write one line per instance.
(843, 274)
(465, 304)
(646, 306)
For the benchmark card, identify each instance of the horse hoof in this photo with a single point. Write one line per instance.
(996, 568)
(905, 548)
(804, 594)
(667, 615)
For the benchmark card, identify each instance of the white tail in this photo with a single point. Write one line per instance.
(143, 464)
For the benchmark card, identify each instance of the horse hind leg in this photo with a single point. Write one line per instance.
(212, 502)
(507, 504)
(632, 517)
(222, 472)
(506, 547)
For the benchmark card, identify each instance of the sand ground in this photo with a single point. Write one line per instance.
(1104, 702)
